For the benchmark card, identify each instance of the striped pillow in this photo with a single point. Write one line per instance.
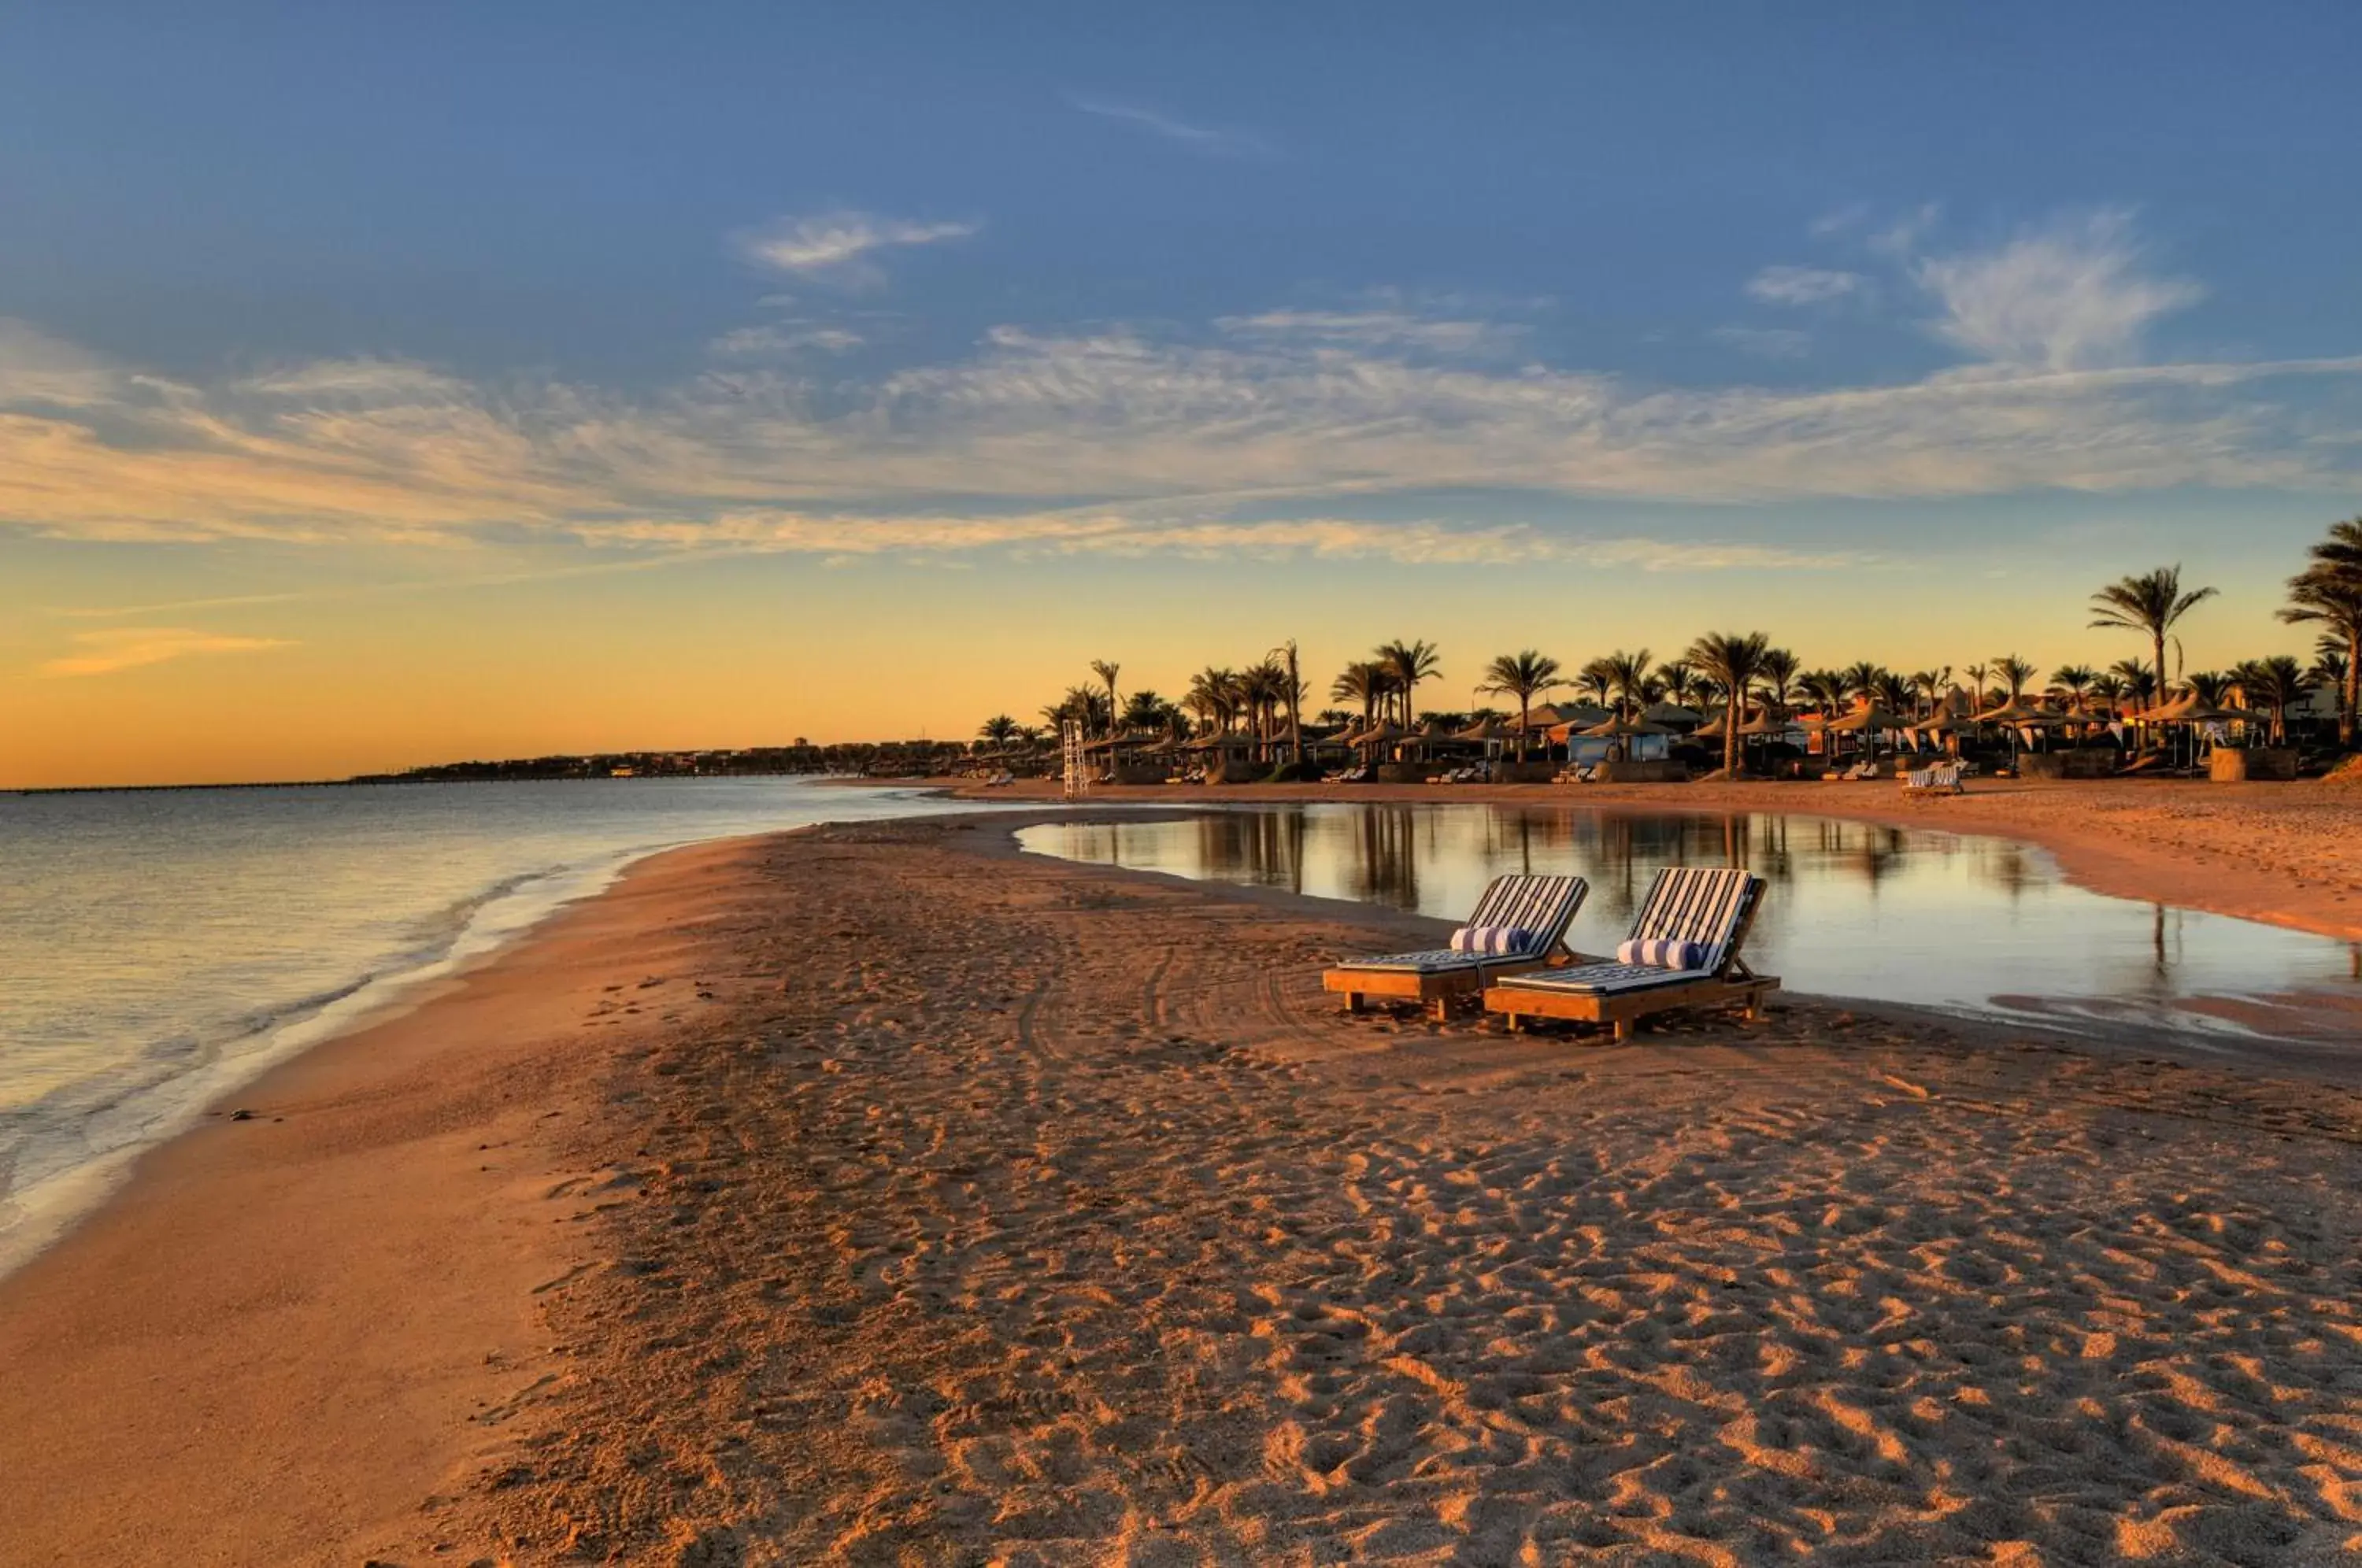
(1664, 953)
(1493, 940)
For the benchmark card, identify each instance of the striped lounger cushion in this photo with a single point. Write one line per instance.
(1692, 913)
(1540, 906)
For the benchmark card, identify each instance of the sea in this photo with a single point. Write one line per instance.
(160, 949)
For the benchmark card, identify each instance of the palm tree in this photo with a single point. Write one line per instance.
(1597, 679)
(1145, 711)
(1214, 697)
(2015, 673)
(1626, 677)
(2139, 680)
(1976, 674)
(1292, 691)
(1409, 663)
(1861, 679)
(1735, 661)
(1892, 692)
(2276, 683)
(1826, 689)
(1105, 669)
(2074, 679)
(1681, 680)
(2328, 593)
(2210, 687)
(1779, 677)
(1366, 683)
(2150, 604)
(1521, 675)
(999, 729)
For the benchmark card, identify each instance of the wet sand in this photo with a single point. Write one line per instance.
(874, 1195)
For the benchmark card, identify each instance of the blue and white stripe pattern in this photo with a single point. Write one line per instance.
(1662, 953)
(1492, 941)
(1542, 907)
(1705, 908)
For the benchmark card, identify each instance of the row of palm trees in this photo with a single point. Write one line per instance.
(1737, 670)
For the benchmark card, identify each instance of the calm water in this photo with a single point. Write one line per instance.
(1975, 926)
(159, 949)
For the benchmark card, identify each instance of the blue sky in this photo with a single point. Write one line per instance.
(1802, 298)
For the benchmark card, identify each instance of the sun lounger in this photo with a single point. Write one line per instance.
(1435, 978)
(1943, 779)
(1705, 907)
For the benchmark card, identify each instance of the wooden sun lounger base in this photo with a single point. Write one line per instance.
(1621, 1011)
(1435, 992)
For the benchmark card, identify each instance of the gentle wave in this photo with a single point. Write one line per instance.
(150, 999)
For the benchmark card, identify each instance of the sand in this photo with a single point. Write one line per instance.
(942, 1204)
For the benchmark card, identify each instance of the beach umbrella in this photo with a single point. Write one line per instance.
(1869, 717)
(1490, 730)
(1672, 713)
(1619, 728)
(2017, 711)
(1384, 733)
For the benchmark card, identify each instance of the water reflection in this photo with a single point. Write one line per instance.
(1977, 924)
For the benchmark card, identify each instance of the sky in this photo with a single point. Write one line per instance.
(385, 385)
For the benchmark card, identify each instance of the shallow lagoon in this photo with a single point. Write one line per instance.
(1983, 926)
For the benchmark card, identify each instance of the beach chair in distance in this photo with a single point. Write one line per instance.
(1943, 779)
(1703, 913)
(1435, 978)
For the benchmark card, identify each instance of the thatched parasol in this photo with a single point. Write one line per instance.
(1672, 713)
(1617, 727)
(1490, 730)
(1869, 716)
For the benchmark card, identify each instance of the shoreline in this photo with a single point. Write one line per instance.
(238, 1235)
(2091, 828)
(448, 1257)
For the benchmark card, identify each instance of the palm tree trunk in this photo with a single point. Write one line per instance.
(1730, 739)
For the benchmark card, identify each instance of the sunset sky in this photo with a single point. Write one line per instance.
(381, 385)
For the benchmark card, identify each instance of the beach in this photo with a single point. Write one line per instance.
(875, 1194)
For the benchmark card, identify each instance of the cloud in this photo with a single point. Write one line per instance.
(38, 369)
(1173, 439)
(762, 340)
(1839, 220)
(1196, 138)
(1766, 342)
(836, 246)
(134, 647)
(1376, 329)
(1425, 542)
(2069, 296)
(1803, 285)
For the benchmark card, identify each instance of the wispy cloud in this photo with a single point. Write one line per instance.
(1423, 542)
(1132, 438)
(786, 339)
(2067, 297)
(1765, 342)
(1376, 329)
(1196, 138)
(119, 648)
(1803, 285)
(837, 247)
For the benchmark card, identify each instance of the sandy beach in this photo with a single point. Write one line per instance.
(877, 1195)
